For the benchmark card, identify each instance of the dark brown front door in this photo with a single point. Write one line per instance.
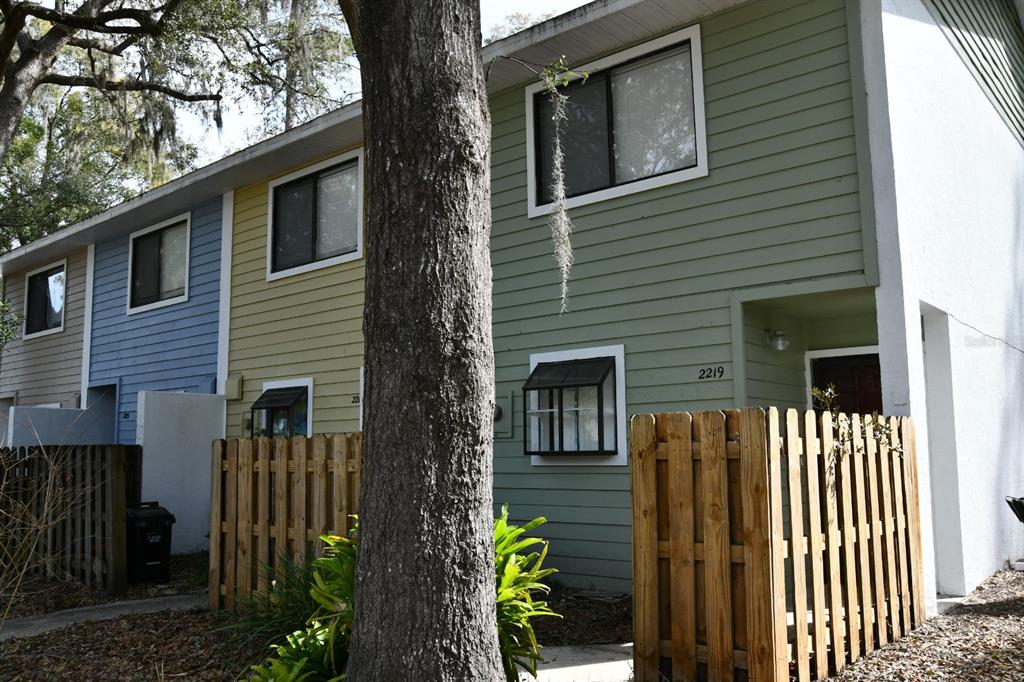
(857, 378)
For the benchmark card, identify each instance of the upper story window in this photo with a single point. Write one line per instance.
(44, 300)
(158, 263)
(315, 217)
(635, 122)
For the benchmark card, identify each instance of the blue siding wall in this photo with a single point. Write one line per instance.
(168, 349)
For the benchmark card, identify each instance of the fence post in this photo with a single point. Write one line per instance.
(216, 506)
(117, 518)
(643, 452)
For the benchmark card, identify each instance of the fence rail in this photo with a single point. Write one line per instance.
(274, 499)
(74, 498)
(767, 546)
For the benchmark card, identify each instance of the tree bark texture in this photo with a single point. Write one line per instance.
(22, 79)
(425, 604)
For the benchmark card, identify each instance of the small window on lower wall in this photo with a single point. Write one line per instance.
(282, 410)
(574, 407)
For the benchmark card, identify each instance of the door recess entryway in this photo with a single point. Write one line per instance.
(857, 378)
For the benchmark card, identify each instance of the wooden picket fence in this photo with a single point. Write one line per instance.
(274, 499)
(75, 499)
(771, 549)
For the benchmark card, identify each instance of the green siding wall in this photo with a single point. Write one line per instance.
(989, 38)
(654, 270)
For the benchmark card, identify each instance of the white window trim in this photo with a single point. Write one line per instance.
(25, 336)
(316, 265)
(362, 395)
(812, 355)
(187, 218)
(621, 456)
(292, 383)
(692, 34)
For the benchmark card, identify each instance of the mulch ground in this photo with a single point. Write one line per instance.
(171, 645)
(982, 639)
(188, 572)
(198, 645)
(587, 618)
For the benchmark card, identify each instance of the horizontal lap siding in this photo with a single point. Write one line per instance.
(47, 369)
(306, 325)
(654, 270)
(168, 349)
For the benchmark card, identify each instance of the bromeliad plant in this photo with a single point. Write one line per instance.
(319, 651)
(519, 577)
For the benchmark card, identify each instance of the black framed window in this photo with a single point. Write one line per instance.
(629, 122)
(570, 409)
(159, 265)
(281, 412)
(44, 300)
(316, 217)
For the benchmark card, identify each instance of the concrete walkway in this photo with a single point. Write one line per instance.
(592, 663)
(44, 622)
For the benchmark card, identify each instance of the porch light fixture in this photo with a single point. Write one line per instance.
(777, 340)
(570, 408)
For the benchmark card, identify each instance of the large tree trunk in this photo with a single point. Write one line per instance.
(425, 604)
(23, 78)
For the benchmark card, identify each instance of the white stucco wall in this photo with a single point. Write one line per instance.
(176, 432)
(949, 193)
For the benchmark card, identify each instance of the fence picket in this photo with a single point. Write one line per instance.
(797, 546)
(281, 503)
(830, 492)
(262, 513)
(877, 564)
(815, 547)
(340, 456)
(902, 553)
(889, 532)
(243, 560)
(913, 519)
(757, 558)
(849, 534)
(717, 546)
(645, 548)
(678, 428)
(319, 482)
(230, 523)
(863, 556)
(300, 456)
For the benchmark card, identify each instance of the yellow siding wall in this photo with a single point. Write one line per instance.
(306, 325)
(48, 369)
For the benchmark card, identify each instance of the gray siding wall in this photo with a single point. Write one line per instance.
(654, 270)
(47, 369)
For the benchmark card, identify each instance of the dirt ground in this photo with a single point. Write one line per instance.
(983, 640)
(171, 645)
(189, 572)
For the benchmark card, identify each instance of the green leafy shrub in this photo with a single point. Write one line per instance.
(519, 579)
(319, 650)
(268, 617)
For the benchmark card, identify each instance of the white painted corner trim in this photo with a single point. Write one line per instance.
(185, 218)
(25, 336)
(292, 383)
(811, 355)
(356, 154)
(690, 34)
(227, 224)
(90, 273)
(621, 457)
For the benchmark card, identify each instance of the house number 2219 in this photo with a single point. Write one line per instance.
(716, 372)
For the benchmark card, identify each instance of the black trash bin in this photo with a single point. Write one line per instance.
(149, 543)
